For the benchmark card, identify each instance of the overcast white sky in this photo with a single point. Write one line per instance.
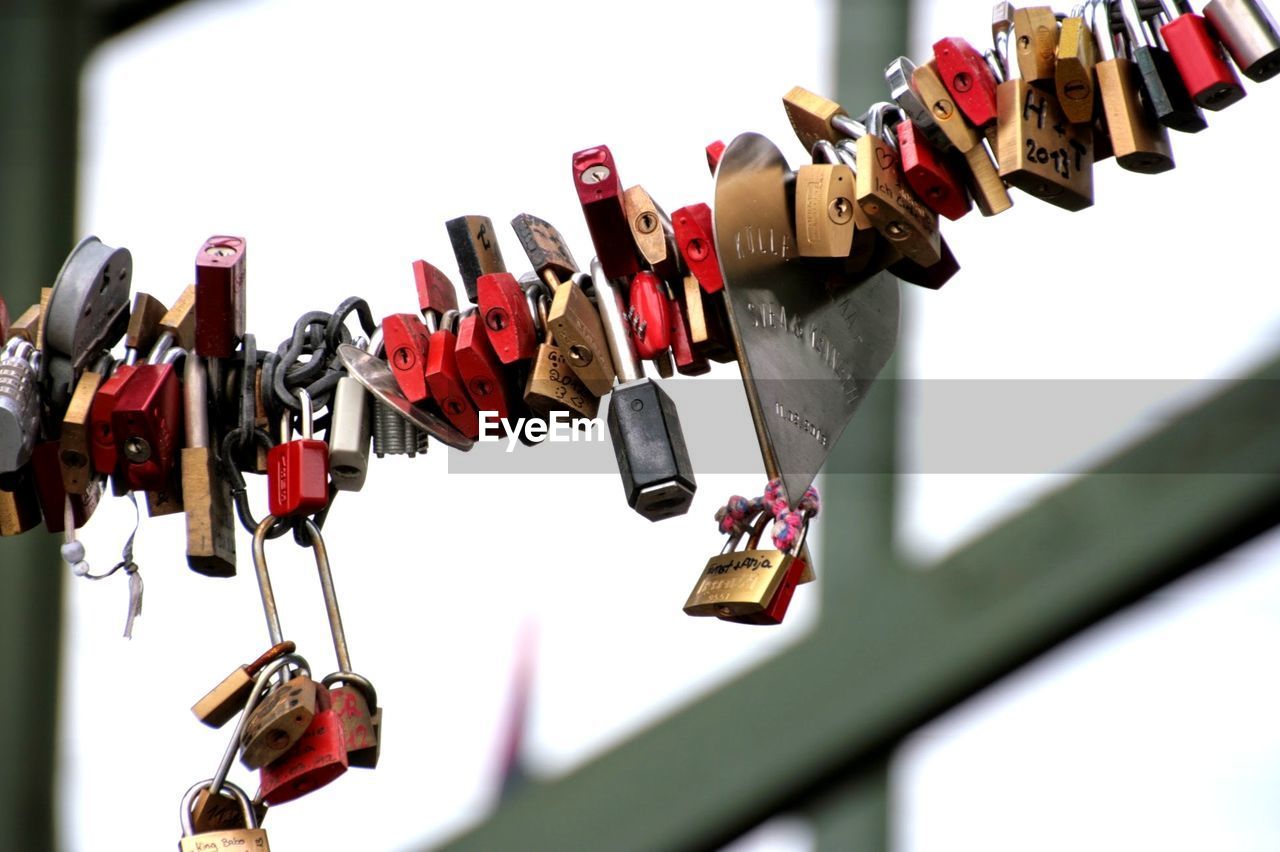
(339, 142)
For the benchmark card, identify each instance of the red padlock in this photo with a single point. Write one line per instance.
(777, 608)
(446, 384)
(46, 472)
(435, 290)
(648, 315)
(695, 238)
(714, 152)
(220, 297)
(405, 340)
(506, 317)
(929, 175)
(965, 73)
(315, 760)
(102, 451)
(146, 425)
(1198, 55)
(479, 366)
(298, 470)
(600, 192)
(688, 362)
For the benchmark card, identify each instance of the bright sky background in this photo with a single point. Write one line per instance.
(338, 142)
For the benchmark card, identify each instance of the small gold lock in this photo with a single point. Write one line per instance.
(884, 196)
(741, 582)
(552, 383)
(1073, 75)
(249, 838)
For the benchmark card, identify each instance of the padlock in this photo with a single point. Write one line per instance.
(26, 326)
(708, 322)
(898, 75)
(19, 404)
(930, 175)
(867, 244)
(510, 327)
(571, 318)
(146, 422)
(644, 426)
(1073, 75)
(228, 698)
(475, 246)
(1249, 33)
(815, 118)
(1166, 94)
(144, 326)
(348, 435)
(1036, 44)
(361, 727)
(824, 208)
(75, 439)
(251, 837)
(742, 583)
(318, 758)
(651, 231)
(929, 277)
(687, 360)
(715, 151)
(278, 722)
(405, 340)
(1210, 79)
(479, 366)
(444, 379)
(552, 385)
(47, 476)
(695, 239)
(298, 469)
(776, 609)
(1039, 151)
(206, 494)
(103, 452)
(595, 175)
(219, 296)
(965, 73)
(882, 192)
(647, 315)
(19, 502)
(1141, 143)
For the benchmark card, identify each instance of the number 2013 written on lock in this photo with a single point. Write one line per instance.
(1068, 155)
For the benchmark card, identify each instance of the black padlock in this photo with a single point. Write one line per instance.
(1166, 93)
(644, 426)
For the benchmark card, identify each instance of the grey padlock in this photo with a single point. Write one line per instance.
(19, 403)
(1249, 33)
(648, 442)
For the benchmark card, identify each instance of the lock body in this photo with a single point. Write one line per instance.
(147, 426)
(1249, 33)
(46, 475)
(1040, 152)
(506, 317)
(739, 583)
(1209, 78)
(553, 386)
(648, 316)
(929, 175)
(278, 721)
(298, 471)
(1073, 73)
(219, 296)
(776, 609)
(405, 341)
(965, 73)
(657, 475)
(1139, 142)
(446, 385)
(824, 210)
(19, 405)
(480, 368)
(318, 758)
(595, 175)
(695, 239)
(349, 432)
(475, 246)
(76, 440)
(19, 503)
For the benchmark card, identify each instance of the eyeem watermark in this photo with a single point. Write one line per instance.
(559, 427)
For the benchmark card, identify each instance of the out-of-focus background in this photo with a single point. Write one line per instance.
(338, 138)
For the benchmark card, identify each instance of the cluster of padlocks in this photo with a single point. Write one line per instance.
(795, 278)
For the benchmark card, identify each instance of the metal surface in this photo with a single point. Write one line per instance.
(379, 381)
(808, 357)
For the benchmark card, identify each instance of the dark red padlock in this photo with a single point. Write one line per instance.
(965, 73)
(4, 320)
(46, 472)
(777, 608)
(298, 469)
(714, 152)
(435, 290)
(446, 384)
(696, 240)
(929, 175)
(506, 316)
(600, 192)
(1198, 55)
(688, 362)
(930, 277)
(479, 366)
(102, 450)
(404, 342)
(220, 297)
(648, 315)
(146, 425)
(315, 760)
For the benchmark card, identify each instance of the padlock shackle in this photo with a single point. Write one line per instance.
(264, 579)
(848, 152)
(195, 402)
(1134, 25)
(189, 800)
(259, 685)
(162, 345)
(330, 596)
(1103, 36)
(360, 682)
(1002, 36)
(612, 309)
(824, 151)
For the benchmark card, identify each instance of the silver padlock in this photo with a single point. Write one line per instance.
(1249, 33)
(19, 403)
(349, 435)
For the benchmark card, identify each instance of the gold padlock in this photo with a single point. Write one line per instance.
(1073, 75)
(552, 384)
(741, 582)
(75, 442)
(1036, 42)
(884, 196)
(211, 540)
(1140, 142)
(250, 838)
(20, 508)
(825, 209)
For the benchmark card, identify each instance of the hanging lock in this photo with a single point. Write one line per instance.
(708, 322)
(507, 320)
(352, 699)
(972, 86)
(1073, 76)
(988, 189)
(438, 303)
(910, 226)
(651, 231)
(1036, 44)
(695, 240)
(552, 385)
(687, 360)
(405, 339)
(738, 584)
(146, 422)
(1039, 151)
(897, 75)
(1140, 143)
(348, 434)
(825, 209)
(206, 494)
(26, 326)
(648, 316)
(595, 175)
(298, 469)
(251, 837)
(929, 175)
(19, 404)
(1209, 78)
(219, 296)
(318, 758)
(1249, 33)
(228, 698)
(479, 366)
(75, 438)
(475, 246)
(1167, 95)
(19, 502)
(776, 609)
(863, 245)
(46, 474)
(571, 317)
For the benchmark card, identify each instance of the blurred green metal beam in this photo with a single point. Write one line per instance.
(925, 641)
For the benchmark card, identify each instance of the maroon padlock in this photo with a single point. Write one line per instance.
(220, 296)
(315, 760)
(929, 175)
(46, 472)
(688, 362)
(146, 425)
(600, 192)
(404, 341)
(479, 366)
(695, 239)
(648, 315)
(507, 320)
(298, 469)
(102, 450)
(1198, 55)
(445, 380)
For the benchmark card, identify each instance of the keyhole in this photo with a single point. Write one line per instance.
(136, 449)
(595, 174)
(579, 356)
(496, 319)
(404, 358)
(841, 210)
(453, 407)
(220, 251)
(943, 109)
(697, 249)
(480, 387)
(962, 82)
(646, 223)
(1076, 90)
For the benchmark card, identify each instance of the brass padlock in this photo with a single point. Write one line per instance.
(1140, 142)
(741, 582)
(251, 837)
(76, 441)
(226, 699)
(1036, 42)
(19, 507)
(1073, 76)
(552, 384)
(825, 221)
(884, 196)
(652, 231)
(211, 540)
